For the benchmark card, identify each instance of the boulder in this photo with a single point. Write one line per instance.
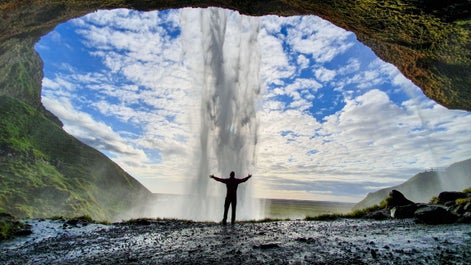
(465, 218)
(467, 207)
(378, 215)
(450, 196)
(10, 227)
(23, 232)
(406, 211)
(458, 209)
(396, 198)
(435, 214)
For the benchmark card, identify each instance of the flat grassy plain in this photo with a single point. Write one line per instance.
(300, 209)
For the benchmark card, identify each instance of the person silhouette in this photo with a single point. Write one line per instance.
(231, 195)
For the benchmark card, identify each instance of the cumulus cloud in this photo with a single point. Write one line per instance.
(317, 37)
(91, 132)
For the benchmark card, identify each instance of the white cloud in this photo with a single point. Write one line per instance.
(57, 83)
(324, 75)
(275, 64)
(91, 132)
(302, 62)
(318, 38)
(369, 139)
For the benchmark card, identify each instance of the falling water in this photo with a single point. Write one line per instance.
(225, 61)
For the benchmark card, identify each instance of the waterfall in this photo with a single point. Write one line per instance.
(224, 58)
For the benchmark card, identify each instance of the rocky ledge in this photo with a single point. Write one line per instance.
(449, 207)
(343, 241)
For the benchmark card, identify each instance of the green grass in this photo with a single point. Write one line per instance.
(7, 230)
(294, 209)
(350, 215)
(434, 200)
(462, 201)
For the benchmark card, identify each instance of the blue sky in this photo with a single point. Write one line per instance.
(335, 122)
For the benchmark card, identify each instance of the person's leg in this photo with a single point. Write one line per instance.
(233, 216)
(226, 209)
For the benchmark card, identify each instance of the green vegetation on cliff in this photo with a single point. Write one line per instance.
(45, 172)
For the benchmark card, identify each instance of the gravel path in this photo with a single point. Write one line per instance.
(283, 242)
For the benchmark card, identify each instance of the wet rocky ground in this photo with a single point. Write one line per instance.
(282, 242)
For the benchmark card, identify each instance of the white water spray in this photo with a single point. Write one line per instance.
(225, 60)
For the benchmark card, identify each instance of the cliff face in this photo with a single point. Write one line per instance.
(429, 41)
(46, 172)
(44, 169)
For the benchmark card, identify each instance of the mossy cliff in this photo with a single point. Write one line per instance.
(44, 170)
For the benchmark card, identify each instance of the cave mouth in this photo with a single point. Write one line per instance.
(335, 122)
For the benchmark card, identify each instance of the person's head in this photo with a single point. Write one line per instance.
(232, 174)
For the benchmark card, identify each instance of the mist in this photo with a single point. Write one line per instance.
(225, 61)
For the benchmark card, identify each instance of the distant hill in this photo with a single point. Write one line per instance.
(46, 172)
(423, 186)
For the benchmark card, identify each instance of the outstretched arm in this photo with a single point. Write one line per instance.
(246, 178)
(217, 179)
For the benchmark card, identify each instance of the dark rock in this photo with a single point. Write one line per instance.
(435, 214)
(267, 246)
(396, 198)
(79, 221)
(373, 254)
(458, 209)
(306, 240)
(450, 196)
(140, 221)
(378, 215)
(448, 203)
(465, 218)
(133, 259)
(72, 222)
(406, 211)
(24, 232)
